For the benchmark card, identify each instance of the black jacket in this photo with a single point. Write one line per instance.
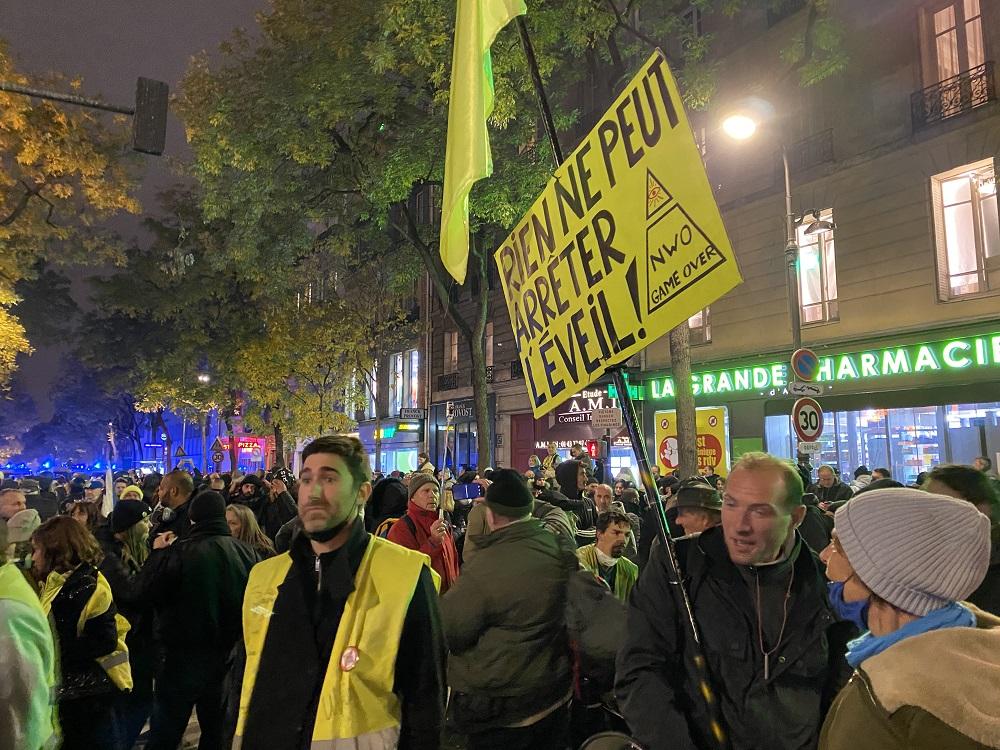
(178, 521)
(661, 702)
(81, 674)
(299, 643)
(46, 503)
(837, 492)
(273, 513)
(196, 589)
(816, 528)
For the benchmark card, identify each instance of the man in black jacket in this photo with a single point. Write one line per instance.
(174, 496)
(828, 488)
(195, 584)
(775, 653)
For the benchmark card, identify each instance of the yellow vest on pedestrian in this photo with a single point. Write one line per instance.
(357, 705)
(116, 664)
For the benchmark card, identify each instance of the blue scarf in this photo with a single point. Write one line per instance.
(869, 645)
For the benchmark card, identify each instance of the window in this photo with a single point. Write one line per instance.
(956, 31)
(701, 328)
(371, 392)
(967, 230)
(817, 271)
(413, 396)
(396, 383)
(450, 352)
(489, 344)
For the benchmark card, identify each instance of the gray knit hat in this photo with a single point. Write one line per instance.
(916, 550)
(418, 480)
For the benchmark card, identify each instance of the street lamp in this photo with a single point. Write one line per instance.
(740, 126)
(204, 377)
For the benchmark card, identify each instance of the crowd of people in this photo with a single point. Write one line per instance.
(515, 608)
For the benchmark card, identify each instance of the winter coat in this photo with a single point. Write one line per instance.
(46, 503)
(413, 532)
(895, 701)
(274, 512)
(505, 623)
(554, 519)
(663, 704)
(66, 596)
(816, 528)
(837, 492)
(196, 588)
(388, 500)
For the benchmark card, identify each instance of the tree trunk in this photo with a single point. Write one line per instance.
(279, 446)
(687, 434)
(481, 404)
(233, 447)
(204, 442)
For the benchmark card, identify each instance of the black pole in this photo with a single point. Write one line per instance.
(631, 422)
(543, 101)
(639, 446)
(80, 101)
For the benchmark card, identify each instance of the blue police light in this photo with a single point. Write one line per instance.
(47, 465)
(97, 466)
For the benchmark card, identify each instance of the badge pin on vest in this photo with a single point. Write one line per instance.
(349, 659)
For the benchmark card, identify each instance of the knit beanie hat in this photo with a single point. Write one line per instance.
(134, 489)
(206, 506)
(508, 495)
(22, 525)
(916, 550)
(695, 492)
(128, 513)
(418, 480)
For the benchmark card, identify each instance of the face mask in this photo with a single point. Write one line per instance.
(854, 612)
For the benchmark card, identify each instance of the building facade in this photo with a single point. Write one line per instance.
(900, 297)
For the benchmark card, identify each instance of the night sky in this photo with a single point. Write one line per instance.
(109, 43)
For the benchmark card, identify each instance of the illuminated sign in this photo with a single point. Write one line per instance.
(578, 409)
(950, 355)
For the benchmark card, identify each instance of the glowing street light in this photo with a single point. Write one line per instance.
(739, 127)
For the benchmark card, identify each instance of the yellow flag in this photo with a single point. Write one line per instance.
(467, 156)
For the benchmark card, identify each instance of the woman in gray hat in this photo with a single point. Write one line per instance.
(927, 667)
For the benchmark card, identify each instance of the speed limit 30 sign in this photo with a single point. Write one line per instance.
(807, 418)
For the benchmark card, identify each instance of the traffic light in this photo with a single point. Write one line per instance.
(593, 448)
(149, 123)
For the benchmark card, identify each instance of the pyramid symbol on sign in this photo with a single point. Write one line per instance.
(657, 196)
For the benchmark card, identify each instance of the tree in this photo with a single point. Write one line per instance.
(17, 415)
(62, 174)
(337, 111)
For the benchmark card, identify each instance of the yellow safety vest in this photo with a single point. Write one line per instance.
(357, 705)
(116, 664)
(14, 587)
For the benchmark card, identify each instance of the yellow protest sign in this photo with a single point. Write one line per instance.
(625, 242)
(713, 442)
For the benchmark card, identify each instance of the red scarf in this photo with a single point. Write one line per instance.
(444, 554)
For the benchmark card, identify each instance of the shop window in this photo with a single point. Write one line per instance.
(450, 352)
(413, 394)
(967, 230)
(817, 269)
(488, 346)
(701, 328)
(907, 440)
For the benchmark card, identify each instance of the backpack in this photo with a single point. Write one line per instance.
(382, 530)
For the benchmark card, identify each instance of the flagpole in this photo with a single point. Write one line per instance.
(631, 423)
(536, 80)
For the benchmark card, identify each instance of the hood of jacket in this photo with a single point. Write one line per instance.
(962, 687)
(566, 474)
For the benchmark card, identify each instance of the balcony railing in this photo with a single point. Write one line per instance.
(810, 152)
(448, 382)
(953, 96)
(489, 373)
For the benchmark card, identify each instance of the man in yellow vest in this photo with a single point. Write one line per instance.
(605, 557)
(29, 661)
(343, 640)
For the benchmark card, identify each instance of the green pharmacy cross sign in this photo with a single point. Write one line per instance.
(939, 356)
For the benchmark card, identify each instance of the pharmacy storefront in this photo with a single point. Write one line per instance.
(905, 405)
